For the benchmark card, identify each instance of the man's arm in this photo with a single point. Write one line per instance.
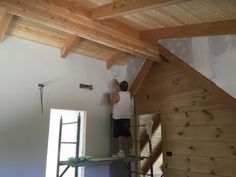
(116, 85)
(112, 99)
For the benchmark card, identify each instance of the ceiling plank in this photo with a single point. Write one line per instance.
(140, 76)
(227, 27)
(205, 82)
(5, 20)
(114, 58)
(77, 9)
(122, 7)
(71, 42)
(82, 26)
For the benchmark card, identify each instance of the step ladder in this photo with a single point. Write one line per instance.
(148, 128)
(76, 143)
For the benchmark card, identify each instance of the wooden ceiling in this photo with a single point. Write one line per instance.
(115, 31)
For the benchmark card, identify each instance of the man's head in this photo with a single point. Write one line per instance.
(124, 86)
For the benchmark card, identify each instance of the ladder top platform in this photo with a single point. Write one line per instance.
(102, 161)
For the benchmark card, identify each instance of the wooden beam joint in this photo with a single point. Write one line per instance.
(5, 20)
(70, 43)
(114, 58)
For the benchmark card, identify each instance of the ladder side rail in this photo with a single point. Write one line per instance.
(59, 148)
(77, 143)
(150, 152)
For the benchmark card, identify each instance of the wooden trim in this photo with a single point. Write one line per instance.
(122, 7)
(226, 27)
(114, 58)
(79, 25)
(5, 20)
(156, 153)
(71, 42)
(144, 137)
(205, 82)
(140, 76)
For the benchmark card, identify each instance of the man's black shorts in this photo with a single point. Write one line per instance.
(121, 127)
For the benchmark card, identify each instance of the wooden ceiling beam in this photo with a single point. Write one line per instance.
(5, 20)
(77, 9)
(82, 26)
(227, 27)
(140, 76)
(122, 7)
(114, 58)
(71, 42)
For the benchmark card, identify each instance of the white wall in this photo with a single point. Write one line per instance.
(23, 129)
(214, 57)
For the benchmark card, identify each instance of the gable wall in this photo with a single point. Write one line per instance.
(197, 127)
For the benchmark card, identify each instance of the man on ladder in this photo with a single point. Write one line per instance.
(121, 102)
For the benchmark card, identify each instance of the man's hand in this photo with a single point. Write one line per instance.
(116, 85)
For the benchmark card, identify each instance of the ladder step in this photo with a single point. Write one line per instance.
(69, 123)
(68, 142)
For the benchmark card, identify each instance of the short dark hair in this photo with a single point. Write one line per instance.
(124, 86)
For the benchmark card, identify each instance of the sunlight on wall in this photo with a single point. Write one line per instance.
(69, 132)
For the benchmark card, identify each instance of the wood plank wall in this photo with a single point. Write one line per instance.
(197, 128)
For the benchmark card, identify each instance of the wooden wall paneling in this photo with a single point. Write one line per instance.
(202, 165)
(177, 81)
(208, 84)
(206, 117)
(208, 148)
(181, 102)
(182, 173)
(198, 128)
(225, 133)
